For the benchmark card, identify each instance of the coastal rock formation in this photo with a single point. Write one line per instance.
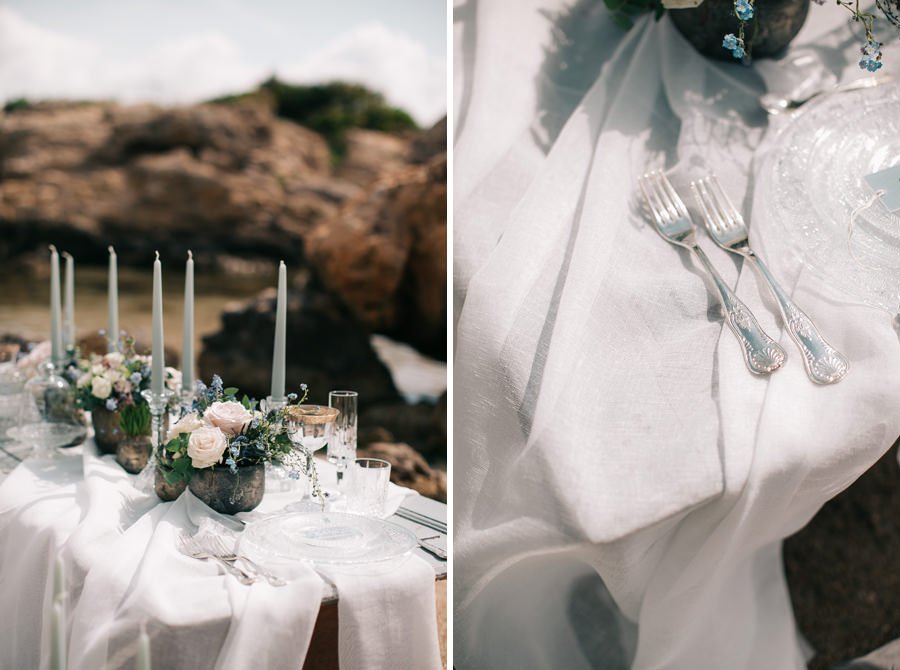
(409, 469)
(327, 348)
(215, 178)
(385, 255)
(236, 181)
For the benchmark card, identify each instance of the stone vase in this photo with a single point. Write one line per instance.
(164, 490)
(133, 452)
(227, 492)
(776, 23)
(107, 432)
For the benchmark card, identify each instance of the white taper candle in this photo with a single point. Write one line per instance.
(158, 369)
(112, 325)
(187, 342)
(69, 303)
(56, 346)
(143, 650)
(58, 635)
(278, 355)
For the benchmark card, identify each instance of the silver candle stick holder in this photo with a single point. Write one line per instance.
(159, 407)
(186, 398)
(159, 410)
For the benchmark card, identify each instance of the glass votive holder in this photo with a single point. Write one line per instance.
(12, 389)
(367, 486)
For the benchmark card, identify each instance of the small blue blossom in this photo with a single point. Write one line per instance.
(743, 9)
(303, 387)
(111, 404)
(735, 45)
(135, 378)
(231, 465)
(291, 397)
(871, 56)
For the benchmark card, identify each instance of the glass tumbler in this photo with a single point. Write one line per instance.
(367, 486)
(342, 445)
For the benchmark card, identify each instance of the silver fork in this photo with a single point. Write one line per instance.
(216, 546)
(824, 364)
(188, 546)
(762, 354)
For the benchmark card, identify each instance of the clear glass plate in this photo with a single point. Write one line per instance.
(324, 537)
(813, 182)
(48, 434)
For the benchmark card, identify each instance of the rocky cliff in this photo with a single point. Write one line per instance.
(365, 236)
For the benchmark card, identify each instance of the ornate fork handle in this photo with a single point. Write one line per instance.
(824, 364)
(762, 354)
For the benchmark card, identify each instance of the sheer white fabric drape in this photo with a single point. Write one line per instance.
(605, 425)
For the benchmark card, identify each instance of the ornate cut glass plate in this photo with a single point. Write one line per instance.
(324, 537)
(813, 182)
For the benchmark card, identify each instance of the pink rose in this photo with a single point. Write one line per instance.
(229, 415)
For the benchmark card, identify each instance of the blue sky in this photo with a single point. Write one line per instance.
(180, 52)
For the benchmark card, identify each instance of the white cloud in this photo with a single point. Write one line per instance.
(386, 61)
(39, 63)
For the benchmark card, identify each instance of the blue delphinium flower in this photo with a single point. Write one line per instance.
(216, 387)
(743, 9)
(135, 378)
(871, 56)
(111, 404)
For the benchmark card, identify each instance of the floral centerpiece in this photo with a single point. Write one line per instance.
(109, 387)
(220, 447)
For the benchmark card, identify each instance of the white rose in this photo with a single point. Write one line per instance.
(173, 379)
(206, 446)
(84, 380)
(97, 369)
(113, 359)
(186, 424)
(100, 388)
(230, 416)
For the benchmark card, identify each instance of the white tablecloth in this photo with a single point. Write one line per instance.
(622, 484)
(123, 571)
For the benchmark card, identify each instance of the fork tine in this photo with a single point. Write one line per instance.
(653, 201)
(726, 207)
(674, 198)
(708, 204)
(701, 200)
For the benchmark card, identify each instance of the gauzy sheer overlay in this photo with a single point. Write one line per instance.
(622, 483)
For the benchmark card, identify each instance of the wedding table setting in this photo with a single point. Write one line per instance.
(152, 520)
(641, 422)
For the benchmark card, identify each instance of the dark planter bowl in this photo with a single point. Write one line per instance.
(164, 490)
(133, 453)
(777, 22)
(107, 432)
(229, 493)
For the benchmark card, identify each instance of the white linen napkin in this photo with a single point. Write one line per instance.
(386, 608)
